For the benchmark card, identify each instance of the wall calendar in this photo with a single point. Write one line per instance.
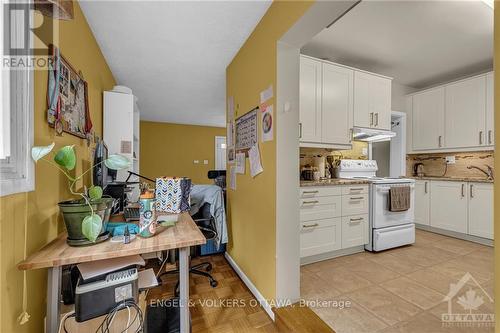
(246, 131)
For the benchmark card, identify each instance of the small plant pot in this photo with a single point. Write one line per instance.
(74, 211)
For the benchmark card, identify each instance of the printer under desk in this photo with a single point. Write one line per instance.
(100, 295)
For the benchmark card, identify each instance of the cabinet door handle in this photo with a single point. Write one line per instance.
(351, 134)
(371, 118)
(300, 130)
(490, 139)
(359, 219)
(356, 189)
(480, 137)
(310, 202)
(440, 141)
(310, 192)
(463, 190)
(425, 187)
(376, 119)
(310, 225)
(471, 190)
(357, 198)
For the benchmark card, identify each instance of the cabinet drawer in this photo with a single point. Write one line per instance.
(320, 208)
(354, 189)
(354, 230)
(320, 236)
(319, 191)
(356, 204)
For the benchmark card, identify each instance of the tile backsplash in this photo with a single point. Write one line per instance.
(435, 164)
(356, 153)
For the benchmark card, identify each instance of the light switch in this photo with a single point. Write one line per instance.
(196, 162)
(205, 161)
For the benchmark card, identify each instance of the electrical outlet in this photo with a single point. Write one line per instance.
(205, 162)
(196, 162)
(450, 159)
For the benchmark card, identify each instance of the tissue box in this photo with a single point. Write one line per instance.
(172, 194)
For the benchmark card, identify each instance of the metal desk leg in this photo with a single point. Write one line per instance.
(53, 293)
(184, 288)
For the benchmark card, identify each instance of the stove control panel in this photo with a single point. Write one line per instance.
(358, 165)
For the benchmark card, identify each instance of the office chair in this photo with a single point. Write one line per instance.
(205, 222)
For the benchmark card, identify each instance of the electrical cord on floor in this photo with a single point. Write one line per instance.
(108, 320)
(63, 321)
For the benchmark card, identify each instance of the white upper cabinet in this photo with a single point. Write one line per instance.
(428, 119)
(372, 101)
(310, 100)
(490, 126)
(458, 115)
(465, 113)
(336, 104)
(481, 210)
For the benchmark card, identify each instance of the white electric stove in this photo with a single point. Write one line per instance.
(387, 229)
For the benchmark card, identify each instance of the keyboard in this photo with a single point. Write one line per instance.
(131, 213)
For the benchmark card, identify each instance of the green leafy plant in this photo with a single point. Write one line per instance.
(65, 160)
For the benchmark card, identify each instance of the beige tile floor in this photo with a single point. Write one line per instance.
(401, 290)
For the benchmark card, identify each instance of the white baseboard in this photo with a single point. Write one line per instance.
(263, 302)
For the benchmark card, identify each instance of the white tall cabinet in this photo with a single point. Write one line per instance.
(121, 119)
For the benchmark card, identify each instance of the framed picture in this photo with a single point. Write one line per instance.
(68, 102)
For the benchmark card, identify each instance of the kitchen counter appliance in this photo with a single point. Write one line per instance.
(387, 229)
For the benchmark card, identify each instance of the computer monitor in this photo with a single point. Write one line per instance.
(100, 172)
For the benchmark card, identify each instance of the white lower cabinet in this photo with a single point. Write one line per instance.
(481, 210)
(449, 206)
(422, 202)
(354, 230)
(333, 218)
(463, 207)
(320, 236)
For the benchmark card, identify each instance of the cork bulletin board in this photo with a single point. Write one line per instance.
(246, 131)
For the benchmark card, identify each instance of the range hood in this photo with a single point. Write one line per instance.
(371, 134)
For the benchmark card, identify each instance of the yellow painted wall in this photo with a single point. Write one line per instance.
(252, 207)
(496, 62)
(170, 149)
(39, 208)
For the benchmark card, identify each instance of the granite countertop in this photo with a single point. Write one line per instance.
(332, 182)
(454, 179)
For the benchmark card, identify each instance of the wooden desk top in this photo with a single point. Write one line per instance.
(59, 253)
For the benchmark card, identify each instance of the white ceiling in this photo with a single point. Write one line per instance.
(419, 43)
(173, 54)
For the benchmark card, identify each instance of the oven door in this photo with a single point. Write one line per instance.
(381, 215)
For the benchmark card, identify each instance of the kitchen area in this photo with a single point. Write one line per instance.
(396, 164)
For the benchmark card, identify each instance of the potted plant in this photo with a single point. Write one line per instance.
(85, 218)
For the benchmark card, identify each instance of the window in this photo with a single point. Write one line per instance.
(16, 118)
